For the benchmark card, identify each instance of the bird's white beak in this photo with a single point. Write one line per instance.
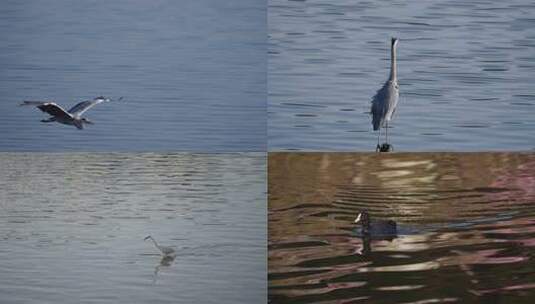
(358, 218)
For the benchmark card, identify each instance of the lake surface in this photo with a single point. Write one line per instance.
(192, 73)
(465, 72)
(72, 227)
(465, 228)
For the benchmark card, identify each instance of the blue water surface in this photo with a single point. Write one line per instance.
(465, 71)
(192, 73)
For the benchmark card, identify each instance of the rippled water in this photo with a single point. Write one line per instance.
(192, 73)
(72, 228)
(465, 228)
(465, 74)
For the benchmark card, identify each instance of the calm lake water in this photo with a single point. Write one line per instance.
(72, 228)
(192, 73)
(465, 74)
(465, 228)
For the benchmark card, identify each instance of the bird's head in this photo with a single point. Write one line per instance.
(363, 217)
(394, 41)
(102, 98)
(148, 237)
(87, 121)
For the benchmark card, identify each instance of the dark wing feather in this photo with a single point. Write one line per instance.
(34, 103)
(54, 110)
(49, 107)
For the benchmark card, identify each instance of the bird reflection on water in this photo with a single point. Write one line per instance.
(166, 261)
(168, 256)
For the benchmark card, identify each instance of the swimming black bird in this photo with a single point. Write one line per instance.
(376, 229)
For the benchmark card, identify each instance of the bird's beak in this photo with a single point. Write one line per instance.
(358, 218)
(148, 237)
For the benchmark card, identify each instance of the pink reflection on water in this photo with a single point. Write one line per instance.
(506, 288)
(521, 179)
(322, 290)
(487, 256)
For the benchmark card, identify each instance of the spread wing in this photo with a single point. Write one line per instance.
(83, 106)
(48, 107)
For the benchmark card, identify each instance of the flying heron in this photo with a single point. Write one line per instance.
(70, 117)
(385, 100)
(166, 251)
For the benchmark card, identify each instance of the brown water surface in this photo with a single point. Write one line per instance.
(465, 228)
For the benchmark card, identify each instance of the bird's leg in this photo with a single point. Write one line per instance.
(386, 131)
(378, 140)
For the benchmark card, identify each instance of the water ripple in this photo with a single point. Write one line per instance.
(465, 70)
(465, 227)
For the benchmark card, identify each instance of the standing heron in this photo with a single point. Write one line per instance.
(385, 100)
(71, 117)
(166, 251)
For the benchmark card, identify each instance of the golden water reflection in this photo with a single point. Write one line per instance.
(466, 227)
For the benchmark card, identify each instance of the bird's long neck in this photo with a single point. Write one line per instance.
(393, 65)
(155, 244)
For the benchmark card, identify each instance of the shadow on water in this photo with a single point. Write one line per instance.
(465, 228)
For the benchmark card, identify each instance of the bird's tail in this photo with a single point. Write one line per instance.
(79, 124)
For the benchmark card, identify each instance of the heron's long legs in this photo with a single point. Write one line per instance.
(386, 130)
(379, 137)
